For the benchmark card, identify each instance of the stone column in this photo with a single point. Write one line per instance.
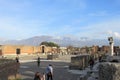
(110, 39)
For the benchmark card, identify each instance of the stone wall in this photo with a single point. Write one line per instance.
(79, 62)
(52, 56)
(109, 71)
(8, 68)
(12, 49)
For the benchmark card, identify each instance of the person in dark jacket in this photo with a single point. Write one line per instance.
(38, 61)
(17, 59)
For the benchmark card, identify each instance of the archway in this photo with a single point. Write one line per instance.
(0, 52)
(18, 51)
(43, 49)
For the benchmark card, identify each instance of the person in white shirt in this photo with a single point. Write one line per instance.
(49, 72)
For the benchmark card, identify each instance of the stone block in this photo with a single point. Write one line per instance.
(79, 62)
(51, 57)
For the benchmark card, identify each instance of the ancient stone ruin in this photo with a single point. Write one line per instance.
(109, 71)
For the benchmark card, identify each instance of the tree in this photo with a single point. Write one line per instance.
(44, 43)
(50, 44)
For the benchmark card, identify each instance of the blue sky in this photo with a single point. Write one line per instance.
(92, 19)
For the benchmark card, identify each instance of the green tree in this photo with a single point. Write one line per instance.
(50, 44)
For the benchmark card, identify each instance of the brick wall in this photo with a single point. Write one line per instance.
(11, 49)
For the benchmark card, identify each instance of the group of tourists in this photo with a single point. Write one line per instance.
(48, 75)
(42, 76)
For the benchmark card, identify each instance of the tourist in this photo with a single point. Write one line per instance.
(43, 76)
(39, 76)
(38, 61)
(17, 59)
(49, 72)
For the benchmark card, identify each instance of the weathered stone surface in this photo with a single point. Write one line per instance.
(113, 58)
(51, 57)
(8, 68)
(79, 62)
(109, 71)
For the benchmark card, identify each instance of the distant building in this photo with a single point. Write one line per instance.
(63, 50)
(95, 49)
(23, 50)
(105, 49)
(117, 50)
(83, 50)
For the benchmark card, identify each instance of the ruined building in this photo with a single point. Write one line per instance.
(23, 50)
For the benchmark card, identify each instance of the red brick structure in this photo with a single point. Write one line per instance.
(22, 49)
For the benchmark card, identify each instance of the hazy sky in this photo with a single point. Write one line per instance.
(94, 19)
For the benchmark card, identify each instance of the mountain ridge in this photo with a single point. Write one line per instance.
(64, 41)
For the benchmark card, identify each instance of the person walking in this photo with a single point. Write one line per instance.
(17, 59)
(38, 61)
(49, 72)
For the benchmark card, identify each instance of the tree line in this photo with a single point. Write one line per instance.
(50, 44)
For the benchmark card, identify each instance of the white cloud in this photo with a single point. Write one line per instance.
(114, 34)
(28, 25)
(57, 37)
(95, 31)
(12, 28)
(101, 29)
(117, 35)
(6, 24)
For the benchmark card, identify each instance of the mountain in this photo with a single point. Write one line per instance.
(64, 41)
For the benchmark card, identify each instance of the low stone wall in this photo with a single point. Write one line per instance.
(109, 71)
(51, 57)
(79, 62)
(8, 68)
